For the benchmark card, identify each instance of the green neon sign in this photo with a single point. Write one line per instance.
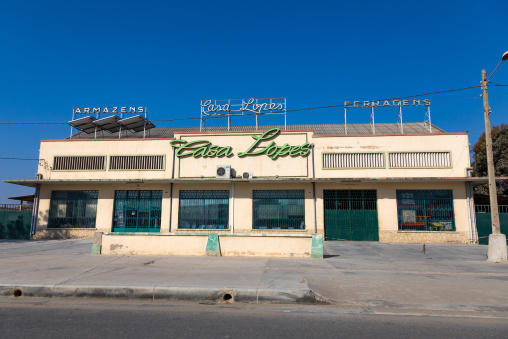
(205, 149)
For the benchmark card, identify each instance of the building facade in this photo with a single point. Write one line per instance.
(306, 179)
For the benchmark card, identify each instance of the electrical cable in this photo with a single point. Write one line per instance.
(292, 110)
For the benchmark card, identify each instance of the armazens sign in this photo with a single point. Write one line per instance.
(205, 149)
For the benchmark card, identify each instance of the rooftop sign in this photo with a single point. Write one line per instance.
(387, 103)
(101, 110)
(243, 106)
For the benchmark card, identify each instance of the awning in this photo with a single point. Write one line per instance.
(22, 198)
(33, 182)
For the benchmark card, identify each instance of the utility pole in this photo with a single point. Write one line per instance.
(497, 241)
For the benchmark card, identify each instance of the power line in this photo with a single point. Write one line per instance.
(342, 105)
(292, 110)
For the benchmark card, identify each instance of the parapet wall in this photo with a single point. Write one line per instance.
(198, 244)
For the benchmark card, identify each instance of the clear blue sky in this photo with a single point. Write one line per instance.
(168, 55)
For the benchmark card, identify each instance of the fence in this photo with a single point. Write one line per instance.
(15, 221)
(484, 225)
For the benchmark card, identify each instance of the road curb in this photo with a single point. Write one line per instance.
(199, 294)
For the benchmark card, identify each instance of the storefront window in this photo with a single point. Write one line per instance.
(203, 209)
(73, 209)
(278, 209)
(425, 210)
(137, 211)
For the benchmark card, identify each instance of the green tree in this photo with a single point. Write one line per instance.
(500, 153)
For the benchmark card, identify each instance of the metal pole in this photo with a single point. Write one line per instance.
(372, 119)
(345, 121)
(400, 118)
(73, 115)
(285, 114)
(497, 241)
(35, 210)
(144, 123)
(232, 207)
(427, 118)
(96, 117)
(469, 212)
(314, 190)
(120, 130)
(171, 190)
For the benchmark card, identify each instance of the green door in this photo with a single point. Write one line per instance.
(351, 215)
(484, 224)
(137, 211)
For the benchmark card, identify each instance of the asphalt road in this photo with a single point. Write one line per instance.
(71, 318)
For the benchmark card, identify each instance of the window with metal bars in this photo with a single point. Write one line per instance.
(137, 211)
(200, 209)
(278, 209)
(425, 210)
(79, 163)
(136, 162)
(73, 209)
(353, 160)
(420, 159)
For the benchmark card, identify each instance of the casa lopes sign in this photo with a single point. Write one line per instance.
(205, 149)
(242, 106)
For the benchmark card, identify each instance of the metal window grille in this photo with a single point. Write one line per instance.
(200, 209)
(419, 159)
(79, 163)
(136, 162)
(137, 211)
(486, 208)
(73, 209)
(353, 160)
(278, 209)
(425, 210)
(16, 207)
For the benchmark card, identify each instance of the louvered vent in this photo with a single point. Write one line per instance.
(419, 159)
(79, 163)
(136, 162)
(353, 160)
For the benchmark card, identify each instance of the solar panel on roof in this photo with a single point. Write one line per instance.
(109, 124)
(136, 123)
(84, 124)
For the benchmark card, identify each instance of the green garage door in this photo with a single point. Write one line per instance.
(351, 215)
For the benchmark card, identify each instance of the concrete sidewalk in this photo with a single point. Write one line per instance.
(369, 276)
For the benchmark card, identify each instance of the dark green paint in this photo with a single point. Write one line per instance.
(484, 226)
(212, 245)
(15, 224)
(350, 215)
(317, 246)
(96, 249)
(138, 211)
(205, 149)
